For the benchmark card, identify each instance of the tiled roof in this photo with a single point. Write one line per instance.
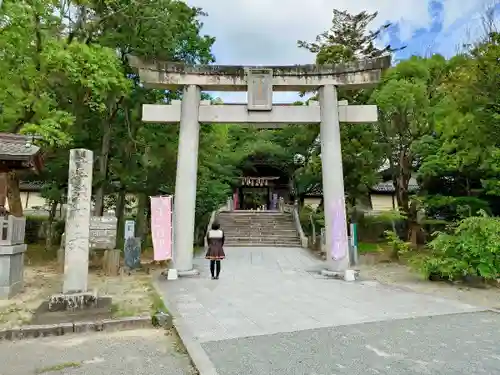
(16, 147)
(31, 185)
(381, 187)
(388, 186)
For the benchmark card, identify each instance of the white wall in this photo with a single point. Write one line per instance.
(30, 200)
(380, 202)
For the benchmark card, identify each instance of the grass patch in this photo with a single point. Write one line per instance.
(370, 247)
(58, 367)
(156, 300)
(119, 312)
(37, 254)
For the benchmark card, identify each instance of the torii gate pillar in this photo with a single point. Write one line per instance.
(186, 180)
(333, 181)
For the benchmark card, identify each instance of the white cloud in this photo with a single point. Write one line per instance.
(463, 27)
(265, 32)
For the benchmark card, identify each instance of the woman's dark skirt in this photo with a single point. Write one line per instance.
(215, 253)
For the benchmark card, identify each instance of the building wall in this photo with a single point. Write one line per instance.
(34, 204)
(382, 202)
(30, 200)
(312, 202)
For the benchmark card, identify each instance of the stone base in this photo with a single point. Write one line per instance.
(11, 270)
(172, 274)
(69, 308)
(72, 301)
(342, 275)
(190, 273)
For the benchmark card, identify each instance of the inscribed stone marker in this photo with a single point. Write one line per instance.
(77, 234)
(132, 253)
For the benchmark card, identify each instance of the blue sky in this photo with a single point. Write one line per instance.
(265, 32)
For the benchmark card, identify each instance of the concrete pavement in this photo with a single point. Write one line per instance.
(137, 352)
(272, 313)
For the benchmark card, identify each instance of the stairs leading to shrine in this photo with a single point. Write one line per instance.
(259, 228)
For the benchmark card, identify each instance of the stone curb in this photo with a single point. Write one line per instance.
(60, 329)
(197, 354)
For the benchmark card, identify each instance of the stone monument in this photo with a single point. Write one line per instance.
(75, 294)
(77, 234)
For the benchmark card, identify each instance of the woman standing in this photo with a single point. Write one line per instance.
(215, 252)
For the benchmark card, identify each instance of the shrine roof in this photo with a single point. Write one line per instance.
(15, 147)
(162, 74)
(381, 188)
(18, 152)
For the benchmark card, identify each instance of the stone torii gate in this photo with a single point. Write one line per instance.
(259, 82)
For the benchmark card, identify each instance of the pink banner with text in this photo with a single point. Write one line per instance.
(161, 227)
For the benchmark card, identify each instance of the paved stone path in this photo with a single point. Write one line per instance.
(272, 313)
(137, 352)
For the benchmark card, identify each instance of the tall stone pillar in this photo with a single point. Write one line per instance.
(76, 258)
(337, 245)
(185, 183)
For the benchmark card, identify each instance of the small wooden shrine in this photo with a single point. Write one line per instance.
(17, 152)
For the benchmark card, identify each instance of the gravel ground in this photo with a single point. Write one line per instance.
(401, 276)
(138, 352)
(132, 294)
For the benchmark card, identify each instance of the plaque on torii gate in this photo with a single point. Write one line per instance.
(260, 89)
(260, 82)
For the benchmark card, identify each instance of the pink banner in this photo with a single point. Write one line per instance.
(161, 227)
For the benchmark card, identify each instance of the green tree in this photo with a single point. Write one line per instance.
(48, 83)
(408, 100)
(348, 39)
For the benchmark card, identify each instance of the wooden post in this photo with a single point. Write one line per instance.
(111, 262)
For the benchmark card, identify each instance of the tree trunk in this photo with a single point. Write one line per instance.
(102, 170)
(50, 226)
(140, 228)
(111, 262)
(120, 211)
(14, 194)
(401, 180)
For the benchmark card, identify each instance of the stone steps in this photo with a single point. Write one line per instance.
(258, 228)
(263, 244)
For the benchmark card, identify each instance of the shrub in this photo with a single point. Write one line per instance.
(36, 229)
(471, 249)
(318, 218)
(454, 208)
(399, 247)
(33, 229)
(372, 228)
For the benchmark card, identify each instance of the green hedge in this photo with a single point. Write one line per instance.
(372, 228)
(318, 218)
(36, 229)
